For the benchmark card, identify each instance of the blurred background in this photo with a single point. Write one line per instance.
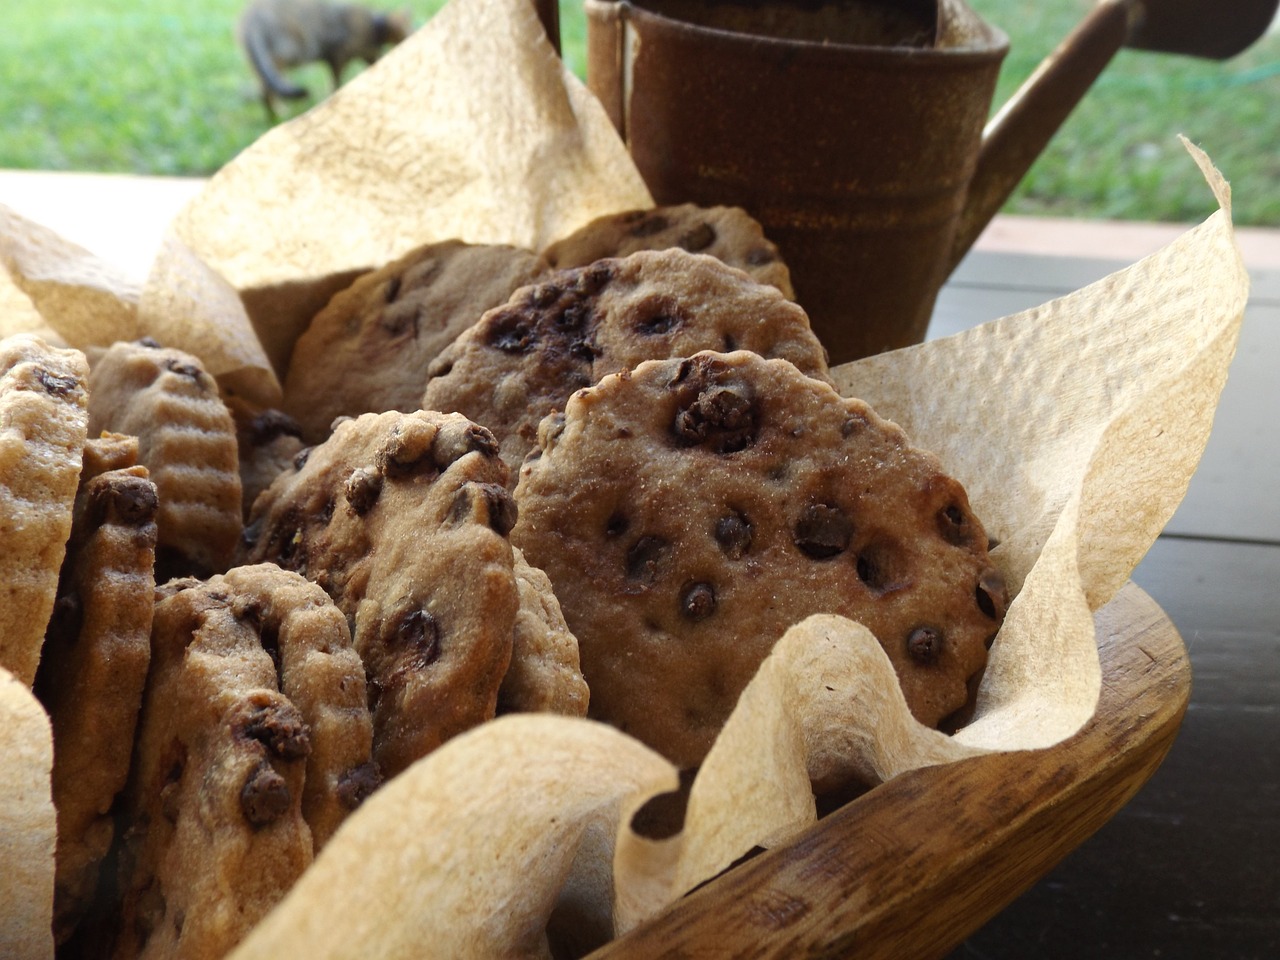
(161, 87)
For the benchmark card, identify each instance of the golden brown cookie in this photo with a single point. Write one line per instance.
(108, 451)
(729, 234)
(403, 520)
(43, 422)
(93, 670)
(186, 439)
(545, 675)
(310, 643)
(268, 441)
(253, 721)
(525, 358)
(368, 350)
(692, 510)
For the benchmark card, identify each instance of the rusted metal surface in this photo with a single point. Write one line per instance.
(855, 158)
(854, 129)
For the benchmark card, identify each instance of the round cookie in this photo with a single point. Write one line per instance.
(524, 359)
(368, 350)
(94, 668)
(43, 423)
(268, 440)
(403, 518)
(729, 234)
(690, 511)
(309, 642)
(545, 675)
(186, 440)
(214, 834)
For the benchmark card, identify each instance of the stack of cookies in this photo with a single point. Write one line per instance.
(600, 480)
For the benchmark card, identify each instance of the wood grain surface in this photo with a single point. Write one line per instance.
(909, 868)
(1188, 869)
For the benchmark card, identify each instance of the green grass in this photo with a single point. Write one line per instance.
(1118, 156)
(160, 86)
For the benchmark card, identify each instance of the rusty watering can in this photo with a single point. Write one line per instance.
(856, 131)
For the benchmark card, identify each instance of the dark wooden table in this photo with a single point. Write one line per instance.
(1190, 868)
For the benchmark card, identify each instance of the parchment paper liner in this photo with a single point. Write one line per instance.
(1075, 427)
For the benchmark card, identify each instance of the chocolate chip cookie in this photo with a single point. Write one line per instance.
(545, 675)
(525, 358)
(368, 350)
(187, 441)
(403, 519)
(268, 440)
(214, 827)
(729, 234)
(43, 423)
(94, 667)
(690, 511)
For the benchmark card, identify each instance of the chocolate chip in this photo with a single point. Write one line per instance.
(719, 416)
(499, 508)
(647, 559)
(823, 531)
(453, 441)
(271, 424)
(265, 796)
(251, 613)
(573, 317)
(650, 225)
(188, 370)
(924, 644)
(511, 331)
(151, 343)
(698, 601)
(955, 525)
(416, 635)
(869, 571)
(991, 593)
(853, 424)
(733, 533)
(356, 785)
(56, 385)
(362, 489)
(300, 458)
(279, 727)
(657, 317)
(543, 295)
(759, 256)
(132, 501)
(698, 238)
(594, 277)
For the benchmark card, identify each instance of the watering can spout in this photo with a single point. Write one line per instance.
(1019, 132)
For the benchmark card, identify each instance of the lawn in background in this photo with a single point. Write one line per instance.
(160, 87)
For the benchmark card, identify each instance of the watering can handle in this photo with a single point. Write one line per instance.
(1023, 127)
(549, 13)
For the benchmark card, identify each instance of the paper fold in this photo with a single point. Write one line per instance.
(1075, 428)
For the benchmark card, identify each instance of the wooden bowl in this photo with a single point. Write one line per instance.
(913, 867)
